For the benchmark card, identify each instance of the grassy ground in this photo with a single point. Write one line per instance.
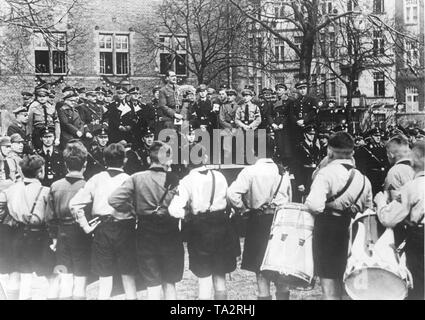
(241, 286)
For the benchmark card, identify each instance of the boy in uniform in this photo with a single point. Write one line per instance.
(27, 205)
(113, 240)
(71, 242)
(160, 253)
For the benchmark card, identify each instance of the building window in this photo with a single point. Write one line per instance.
(411, 11)
(332, 88)
(173, 54)
(50, 53)
(412, 53)
(279, 50)
(298, 40)
(379, 84)
(412, 99)
(378, 6)
(327, 6)
(332, 44)
(352, 4)
(114, 54)
(378, 42)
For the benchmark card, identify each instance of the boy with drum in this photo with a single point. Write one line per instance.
(337, 193)
(408, 207)
(255, 187)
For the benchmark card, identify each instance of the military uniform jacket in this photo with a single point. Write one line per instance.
(147, 115)
(254, 116)
(71, 123)
(121, 114)
(137, 160)
(266, 108)
(92, 116)
(308, 157)
(23, 132)
(168, 102)
(227, 115)
(40, 116)
(202, 112)
(95, 162)
(372, 158)
(305, 108)
(54, 168)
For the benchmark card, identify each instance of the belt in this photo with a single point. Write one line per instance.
(107, 218)
(67, 222)
(333, 212)
(212, 213)
(32, 228)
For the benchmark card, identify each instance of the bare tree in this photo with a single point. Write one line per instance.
(212, 33)
(303, 17)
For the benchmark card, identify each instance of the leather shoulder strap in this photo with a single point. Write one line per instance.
(213, 189)
(343, 190)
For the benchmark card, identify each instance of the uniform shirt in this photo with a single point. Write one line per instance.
(196, 189)
(256, 185)
(54, 167)
(228, 114)
(71, 122)
(61, 193)
(254, 116)
(36, 117)
(410, 204)
(330, 180)
(168, 100)
(19, 199)
(97, 191)
(92, 116)
(401, 173)
(142, 192)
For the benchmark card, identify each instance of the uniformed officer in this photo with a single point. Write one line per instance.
(27, 98)
(284, 140)
(121, 118)
(169, 103)
(9, 166)
(20, 126)
(308, 158)
(42, 114)
(17, 144)
(153, 107)
(82, 94)
(228, 112)
(65, 92)
(266, 107)
(138, 157)
(334, 210)
(305, 110)
(323, 137)
(54, 167)
(95, 159)
(145, 115)
(109, 97)
(248, 116)
(92, 114)
(72, 126)
(202, 111)
(372, 160)
(100, 97)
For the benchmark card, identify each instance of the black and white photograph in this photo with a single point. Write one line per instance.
(235, 151)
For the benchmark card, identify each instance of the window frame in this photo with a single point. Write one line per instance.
(412, 92)
(408, 12)
(175, 50)
(381, 6)
(43, 45)
(114, 51)
(378, 81)
(378, 42)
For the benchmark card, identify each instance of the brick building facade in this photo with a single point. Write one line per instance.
(96, 44)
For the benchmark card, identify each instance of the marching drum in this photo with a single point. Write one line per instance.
(375, 271)
(289, 251)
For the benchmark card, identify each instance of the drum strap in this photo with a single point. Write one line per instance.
(343, 190)
(277, 190)
(212, 190)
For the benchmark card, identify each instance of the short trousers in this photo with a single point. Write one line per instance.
(32, 252)
(113, 248)
(256, 240)
(73, 250)
(330, 246)
(160, 252)
(213, 245)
